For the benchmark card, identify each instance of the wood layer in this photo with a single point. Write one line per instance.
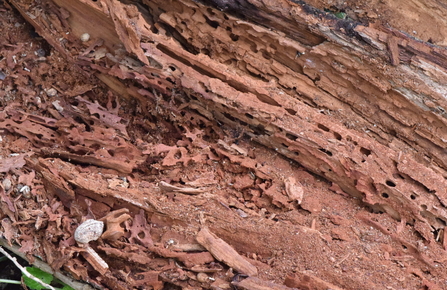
(361, 106)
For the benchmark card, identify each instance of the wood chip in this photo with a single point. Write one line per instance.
(166, 187)
(253, 283)
(303, 280)
(224, 252)
(294, 190)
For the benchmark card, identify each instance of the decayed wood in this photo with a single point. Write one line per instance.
(166, 187)
(284, 121)
(224, 252)
(95, 260)
(363, 107)
(320, 95)
(253, 283)
(308, 281)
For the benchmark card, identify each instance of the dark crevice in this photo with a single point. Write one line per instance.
(291, 111)
(365, 151)
(291, 137)
(244, 10)
(390, 183)
(329, 153)
(170, 31)
(268, 100)
(324, 128)
(212, 23)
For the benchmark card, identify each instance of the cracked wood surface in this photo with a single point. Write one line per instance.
(364, 107)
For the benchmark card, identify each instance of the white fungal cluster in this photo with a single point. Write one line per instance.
(85, 37)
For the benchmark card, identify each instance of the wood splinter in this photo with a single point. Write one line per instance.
(253, 283)
(223, 252)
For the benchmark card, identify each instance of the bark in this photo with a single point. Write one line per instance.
(361, 106)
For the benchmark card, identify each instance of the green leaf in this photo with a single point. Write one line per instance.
(43, 276)
(341, 15)
(66, 287)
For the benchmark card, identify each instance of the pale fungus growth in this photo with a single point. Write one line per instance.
(88, 231)
(26, 191)
(51, 92)
(6, 183)
(170, 243)
(85, 37)
(202, 277)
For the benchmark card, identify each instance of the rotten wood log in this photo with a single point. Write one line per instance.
(316, 93)
(362, 106)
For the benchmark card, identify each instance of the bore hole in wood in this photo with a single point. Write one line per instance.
(266, 55)
(385, 195)
(228, 116)
(254, 48)
(234, 37)
(258, 130)
(390, 183)
(291, 112)
(268, 100)
(322, 127)
(365, 151)
(153, 28)
(291, 137)
(228, 61)
(413, 197)
(248, 116)
(329, 153)
(337, 136)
